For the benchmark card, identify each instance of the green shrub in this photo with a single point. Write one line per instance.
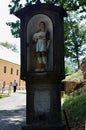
(75, 106)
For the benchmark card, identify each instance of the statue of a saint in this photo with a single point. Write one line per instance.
(42, 41)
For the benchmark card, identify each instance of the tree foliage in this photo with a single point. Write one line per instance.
(68, 5)
(9, 46)
(15, 28)
(69, 68)
(75, 38)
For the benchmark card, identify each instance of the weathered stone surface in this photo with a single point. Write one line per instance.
(45, 127)
(42, 101)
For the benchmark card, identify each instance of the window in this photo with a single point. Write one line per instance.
(17, 72)
(11, 71)
(5, 68)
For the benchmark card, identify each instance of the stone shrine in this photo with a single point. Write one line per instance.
(42, 64)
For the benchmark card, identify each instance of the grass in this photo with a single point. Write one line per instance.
(75, 106)
(3, 96)
(77, 76)
(22, 92)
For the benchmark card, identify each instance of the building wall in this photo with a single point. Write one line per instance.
(9, 77)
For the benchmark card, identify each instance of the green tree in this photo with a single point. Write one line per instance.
(69, 68)
(69, 5)
(9, 46)
(75, 38)
(15, 28)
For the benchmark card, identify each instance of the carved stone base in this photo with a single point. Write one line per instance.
(45, 127)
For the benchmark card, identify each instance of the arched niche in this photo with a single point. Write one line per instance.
(32, 27)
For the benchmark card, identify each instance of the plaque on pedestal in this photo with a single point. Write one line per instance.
(42, 101)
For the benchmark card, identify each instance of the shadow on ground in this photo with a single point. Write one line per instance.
(12, 119)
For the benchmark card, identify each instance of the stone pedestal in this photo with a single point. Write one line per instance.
(43, 102)
(45, 127)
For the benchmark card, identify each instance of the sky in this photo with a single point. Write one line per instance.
(5, 32)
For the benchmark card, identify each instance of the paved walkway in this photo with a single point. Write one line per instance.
(12, 111)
